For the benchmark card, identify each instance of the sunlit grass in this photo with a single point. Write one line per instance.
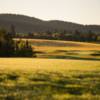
(47, 64)
(74, 77)
(56, 79)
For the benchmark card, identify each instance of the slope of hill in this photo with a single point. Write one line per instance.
(26, 24)
(64, 49)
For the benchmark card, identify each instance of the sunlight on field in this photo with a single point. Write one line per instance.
(50, 48)
(43, 44)
(47, 64)
(57, 79)
(63, 70)
(65, 49)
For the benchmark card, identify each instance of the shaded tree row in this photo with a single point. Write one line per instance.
(76, 35)
(10, 47)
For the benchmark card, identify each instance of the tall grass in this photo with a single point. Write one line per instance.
(49, 79)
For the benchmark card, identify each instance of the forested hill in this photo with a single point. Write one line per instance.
(26, 24)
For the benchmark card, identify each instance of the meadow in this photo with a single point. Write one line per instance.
(61, 71)
(66, 49)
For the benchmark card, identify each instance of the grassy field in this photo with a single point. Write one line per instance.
(53, 79)
(61, 71)
(66, 49)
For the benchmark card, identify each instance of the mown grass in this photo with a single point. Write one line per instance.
(53, 79)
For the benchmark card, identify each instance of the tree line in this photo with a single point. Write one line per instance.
(76, 35)
(14, 48)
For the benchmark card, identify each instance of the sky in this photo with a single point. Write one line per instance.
(78, 11)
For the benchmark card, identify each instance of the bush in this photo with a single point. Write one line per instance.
(24, 49)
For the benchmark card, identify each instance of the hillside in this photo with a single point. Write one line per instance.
(65, 49)
(26, 24)
(65, 44)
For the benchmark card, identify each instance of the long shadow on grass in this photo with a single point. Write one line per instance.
(73, 58)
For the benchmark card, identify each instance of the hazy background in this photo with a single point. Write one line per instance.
(80, 11)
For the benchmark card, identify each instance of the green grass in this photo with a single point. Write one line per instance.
(49, 85)
(53, 79)
(71, 54)
(62, 71)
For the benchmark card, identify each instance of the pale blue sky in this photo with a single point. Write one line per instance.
(80, 11)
